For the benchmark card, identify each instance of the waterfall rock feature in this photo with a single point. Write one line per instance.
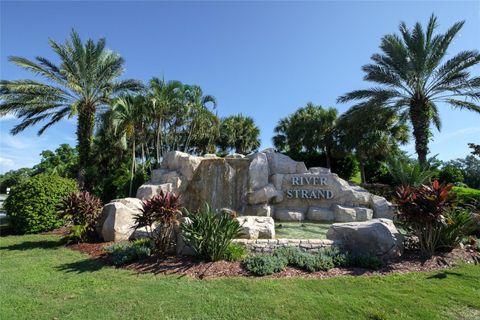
(266, 183)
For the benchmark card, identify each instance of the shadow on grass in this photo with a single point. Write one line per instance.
(444, 275)
(87, 265)
(30, 245)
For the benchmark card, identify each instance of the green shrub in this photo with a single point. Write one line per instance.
(450, 174)
(236, 252)
(82, 210)
(458, 224)
(32, 204)
(467, 196)
(339, 258)
(297, 258)
(126, 252)
(265, 264)
(364, 261)
(160, 215)
(408, 173)
(210, 232)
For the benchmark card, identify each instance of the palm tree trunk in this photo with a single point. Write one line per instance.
(86, 122)
(421, 128)
(327, 158)
(133, 166)
(362, 170)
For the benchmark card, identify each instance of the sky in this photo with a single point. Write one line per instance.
(261, 59)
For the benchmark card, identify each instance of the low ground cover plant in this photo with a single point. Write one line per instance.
(127, 252)
(236, 252)
(81, 210)
(210, 232)
(324, 260)
(32, 204)
(160, 216)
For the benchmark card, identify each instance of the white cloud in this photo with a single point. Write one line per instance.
(6, 164)
(14, 142)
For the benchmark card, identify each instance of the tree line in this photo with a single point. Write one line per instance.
(127, 125)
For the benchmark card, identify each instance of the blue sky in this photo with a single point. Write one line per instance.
(263, 59)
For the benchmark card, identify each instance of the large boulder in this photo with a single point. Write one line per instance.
(378, 237)
(148, 191)
(257, 171)
(280, 163)
(320, 214)
(117, 219)
(182, 162)
(263, 195)
(287, 214)
(382, 208)
(256, 227)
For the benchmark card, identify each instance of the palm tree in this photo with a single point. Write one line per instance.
(239, 133)
(165, 98)
(127, 117)
(413, 82)
(309, 129)
(84, 80)
(370, 131)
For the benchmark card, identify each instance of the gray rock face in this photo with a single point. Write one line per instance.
(280, 163)
(263, 210)
(377, 237)
(148, 191)
(320, 214)
(257, 227)
(382, 208)
(262, 195)
(258, 171)
(181, 162)
(116, 219)
(289, 215)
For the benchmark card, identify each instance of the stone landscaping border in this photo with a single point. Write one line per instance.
(269, 245)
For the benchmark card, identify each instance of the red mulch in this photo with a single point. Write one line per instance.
(195, 268)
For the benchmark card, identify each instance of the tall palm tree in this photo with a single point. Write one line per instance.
(239, 133)
(127, 117)
(165, 98)
(84, 80)
(413, 81)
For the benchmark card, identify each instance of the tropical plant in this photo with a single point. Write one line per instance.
(160, 215)
(85, 80)
(309, 129)
(210, 232)
(422, 211)
(408, 173)
(14, 177)
(239, 133)
(32, 204)
(370, 132)
(81, 210)
(128, 118)
(470, 167)
(412, 80)
(459, 223)
(475, 149)
(63, 162)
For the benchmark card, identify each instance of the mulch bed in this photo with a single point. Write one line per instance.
(409, 262)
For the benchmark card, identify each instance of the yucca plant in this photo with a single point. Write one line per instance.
(81, 210)
(422, 211)
(160, 215)
(210, 232)
(408, 173)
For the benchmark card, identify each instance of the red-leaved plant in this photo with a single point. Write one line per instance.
(81, 210)
(160, 215)
(422, 211)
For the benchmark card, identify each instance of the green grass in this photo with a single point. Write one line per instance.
(40, 279)
(464, 193)
(357, 178)
(301, 230)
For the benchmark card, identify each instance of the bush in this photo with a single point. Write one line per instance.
(408, 173)
(160, 215)
(265, 264)
(82, 210)
(458, 223)
(126, 252)
(210, 232)
(422, 212)
(468, 197)
(450, 174)
(364, 261)
(32, 204)
(236, 252)
(305, 261)
(339, 258)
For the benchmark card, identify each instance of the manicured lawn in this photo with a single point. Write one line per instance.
(40, 279)
(301, 230)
